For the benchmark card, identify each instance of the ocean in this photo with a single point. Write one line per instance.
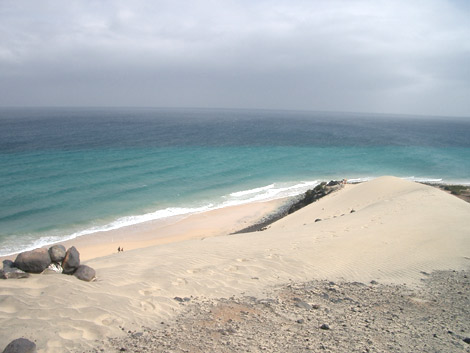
(67, 172)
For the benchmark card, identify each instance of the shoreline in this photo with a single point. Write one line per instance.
(174, 229)
(246, 218)
(150, 233)
(171, 214)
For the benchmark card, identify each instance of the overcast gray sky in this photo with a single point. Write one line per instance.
(396, 56)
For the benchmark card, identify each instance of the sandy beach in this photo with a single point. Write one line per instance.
(388, 231)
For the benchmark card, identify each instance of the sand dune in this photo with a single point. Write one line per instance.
(397, 231)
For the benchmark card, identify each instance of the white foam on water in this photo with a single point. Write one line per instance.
(359, 180)
(251, 191)
(13, 247)
(439, 181)
(424, 180)
(416, 179)
(132, 220)
(268, 193)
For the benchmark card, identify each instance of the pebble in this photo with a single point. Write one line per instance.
(303, 305)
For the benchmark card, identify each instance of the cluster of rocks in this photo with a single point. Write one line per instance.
(318, 316)
(53, 260)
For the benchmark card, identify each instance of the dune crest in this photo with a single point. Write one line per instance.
(388, 230)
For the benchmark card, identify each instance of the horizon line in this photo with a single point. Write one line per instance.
(394, 114)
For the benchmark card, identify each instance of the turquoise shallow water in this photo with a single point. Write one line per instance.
(68, 172)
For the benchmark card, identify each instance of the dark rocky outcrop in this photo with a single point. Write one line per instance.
(71, 261)
(293, 205)
(34, 261)
(85, 273)
(20, 345)
(310, 196)
(57, 253)
(11, 272)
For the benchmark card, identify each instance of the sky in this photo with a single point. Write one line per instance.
(378, 56)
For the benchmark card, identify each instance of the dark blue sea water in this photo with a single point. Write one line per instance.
(69, 172)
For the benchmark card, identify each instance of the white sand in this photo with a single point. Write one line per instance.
(399, 228)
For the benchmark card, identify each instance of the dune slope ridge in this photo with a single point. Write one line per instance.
(397, 230)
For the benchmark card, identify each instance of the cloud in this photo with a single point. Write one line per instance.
(381, 56)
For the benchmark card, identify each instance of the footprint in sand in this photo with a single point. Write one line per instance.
(147, 306)
(294, 246)
(8, 309)
(54, 344)
(104, 320)
(273, 256)
(8, 305)
(243, 260)
(194, 270)
(145, 293)
(179, 282)
(71, 335)
(107, 320)
(231, 268)
(79, 333)
(150, 292)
